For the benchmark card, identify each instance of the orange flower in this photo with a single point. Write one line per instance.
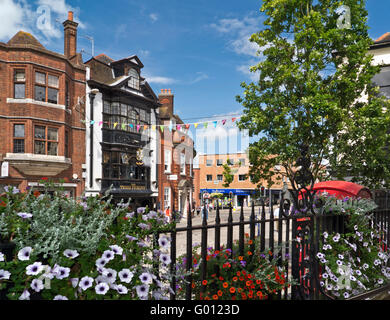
(36, 194)
(204, 282)
(250, 242)
(241, 278)
(225, 285)
(238, 273)
(235, 279)
(240, 258)
(221, 278)
(193, 285)
(215, 297)
(2, 204)
(232, 290)
(249, 276)
(270, 253)
(246, 235)
(220, 293)
(258, 281)
(249, 253)
(248, 283)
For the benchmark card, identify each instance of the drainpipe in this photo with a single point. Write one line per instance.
(92, 95)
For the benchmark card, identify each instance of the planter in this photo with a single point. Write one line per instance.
(8, 249)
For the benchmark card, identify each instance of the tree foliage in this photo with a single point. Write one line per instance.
(315, 88)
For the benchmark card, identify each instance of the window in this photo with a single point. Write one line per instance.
(67, 144)
(182, 163)
(42, 86)
(219, 162)
(134, 79)
(167, 161)
(167, 197)
(220, 177)
(242, 177)
(19, 84)
(67, 96)
(242, 162)
(209, 177)
(19, 138)
(229, 162)
(45, 140)
(209, 163)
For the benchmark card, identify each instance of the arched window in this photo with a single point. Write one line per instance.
(134, 79)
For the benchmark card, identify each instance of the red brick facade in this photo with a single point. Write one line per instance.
(178, 146)
(25, 55)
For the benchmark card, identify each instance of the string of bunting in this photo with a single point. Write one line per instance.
(162, 127)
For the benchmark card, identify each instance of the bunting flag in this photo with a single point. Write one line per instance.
(171, 127)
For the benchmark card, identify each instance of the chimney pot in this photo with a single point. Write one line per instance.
(70, 15)
(162, 90)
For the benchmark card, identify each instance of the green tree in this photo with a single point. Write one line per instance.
(315, 88)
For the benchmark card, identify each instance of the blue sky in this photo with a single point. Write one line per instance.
(199, 49)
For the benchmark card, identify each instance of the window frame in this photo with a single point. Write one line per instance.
(19, 138)
(46, 139)
(167, 161)
(47, 86)
(167, 197)
(183, 164)
(209, 176)
(19, 82)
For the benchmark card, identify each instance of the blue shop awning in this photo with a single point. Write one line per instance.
(238, 192)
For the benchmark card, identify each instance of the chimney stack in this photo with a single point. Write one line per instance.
(70, 36)
(166, 99)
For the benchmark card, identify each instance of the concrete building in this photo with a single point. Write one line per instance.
(41, 94)
(242, 190)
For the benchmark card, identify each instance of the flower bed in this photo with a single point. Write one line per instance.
(88, 249)
(252, 276)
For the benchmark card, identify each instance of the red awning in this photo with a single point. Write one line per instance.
(342, 189)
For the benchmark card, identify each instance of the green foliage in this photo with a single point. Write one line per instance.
(227, 176)
(310, 90)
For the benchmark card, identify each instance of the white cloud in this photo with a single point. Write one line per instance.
(153, 17)
(245, 69)
(160, 80)
(43, 18)
(200, 76)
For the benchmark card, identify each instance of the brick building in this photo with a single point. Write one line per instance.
(176, 159)
(40, 112)
(209, 179)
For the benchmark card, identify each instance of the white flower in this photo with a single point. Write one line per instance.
(116, 249)
(24, 254)
(110, 275)
(377, 262)
(352, 278)
(320, 255)
(125, 275)
(102, 288)
(339, 263)
(4, 275)
(62, 273)
(25, 215)
(325, 275)
(340, 271)
(380, 281)
(165, 258)
(71, 254)
(85, 283)
(365, 266)
(142, 290)
(325, 234)
(323, 261)
(1, 257)
(365, 244)
(34, 269)
(346, 295)
(163, 242)
(355, 227)
(108, 255)
(341, 257)
(59, 297)
(74, 282)
(25, 295)
(121, 289)
(37, 285)
(101, 262)
(146, 278)
(358, 272)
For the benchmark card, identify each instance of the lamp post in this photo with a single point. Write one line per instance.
(92, 95)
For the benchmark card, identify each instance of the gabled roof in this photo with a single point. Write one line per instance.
(383, 38)
(25, 38)
(133, 59)
(104, 58)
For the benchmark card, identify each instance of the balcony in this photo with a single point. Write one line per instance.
(37, 164)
